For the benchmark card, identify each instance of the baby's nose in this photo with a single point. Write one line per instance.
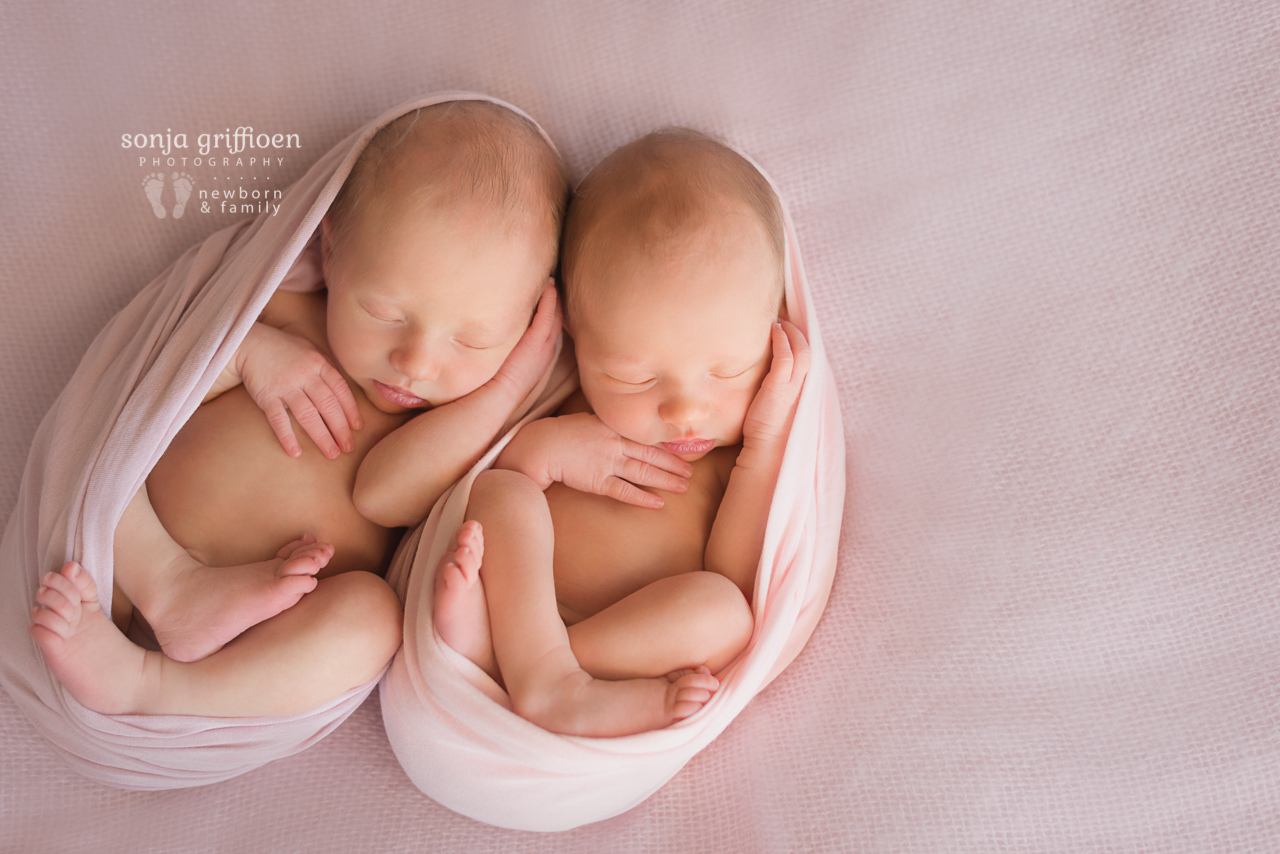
(417, 361)
(683, 410)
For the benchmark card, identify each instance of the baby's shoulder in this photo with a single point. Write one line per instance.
(300, 313)
(573, 404)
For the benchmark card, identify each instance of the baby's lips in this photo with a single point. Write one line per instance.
(689, 446)
(398, 396)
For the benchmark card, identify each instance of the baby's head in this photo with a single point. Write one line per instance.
(672, 264)
(437, 249)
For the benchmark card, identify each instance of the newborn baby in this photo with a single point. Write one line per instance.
(435, 254)
(604, 608)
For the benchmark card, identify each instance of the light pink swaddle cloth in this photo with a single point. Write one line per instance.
(451, 725)
(139, 382)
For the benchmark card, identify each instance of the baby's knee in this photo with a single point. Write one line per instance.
(725, 621)
(369, 618)
(500, 487)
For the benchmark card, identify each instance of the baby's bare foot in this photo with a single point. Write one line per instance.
(84, 649)
(578, 704)
(461, 612)
(207, 606)
(689, 692)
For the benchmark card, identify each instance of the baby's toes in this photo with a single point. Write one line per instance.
(307, 560)
(691, 691)
(82, 580)
(323, 551)
(43, 618)
(68, 587)
(688, 701)
(467, 561)
(288, 549)
(307, 545)
(471, 536)
(451, 576)
(702, 670)
(693, 695)
(700, 679)
(60, 596)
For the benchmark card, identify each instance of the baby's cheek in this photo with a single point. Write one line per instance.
(343, 355)
(475, 372)
(633, 417)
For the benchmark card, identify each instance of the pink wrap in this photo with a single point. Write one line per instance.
(138, 383)
(450, 724)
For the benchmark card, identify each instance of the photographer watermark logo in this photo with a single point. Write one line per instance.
(153, 189)
(235, 167)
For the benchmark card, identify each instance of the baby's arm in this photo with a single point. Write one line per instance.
(579, 451)
(737, 536)
(285, 372)
(403, 475)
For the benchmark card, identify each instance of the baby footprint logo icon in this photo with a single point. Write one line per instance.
(153, 186)
(181, 192)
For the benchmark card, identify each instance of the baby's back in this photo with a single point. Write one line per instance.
(226, 488)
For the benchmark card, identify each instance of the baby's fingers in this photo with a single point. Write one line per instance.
(791, 359)
(644, 474)
(333, 378)
(332, 410)
(783, 359)
(532, 353)
(801, 355)
(312, 422)
(657, 457)
(546, 320)
(278, 418)
(627, 493)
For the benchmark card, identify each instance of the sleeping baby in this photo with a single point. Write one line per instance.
(603, 608)
(436, 253)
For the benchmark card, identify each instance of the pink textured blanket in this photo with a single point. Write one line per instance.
(138, 383)
(451, 726)
(1041, 240)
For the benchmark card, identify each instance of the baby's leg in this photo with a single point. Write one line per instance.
(194, 609)
(675, 623)
(546, 684)
(461, 613)
(335, 639)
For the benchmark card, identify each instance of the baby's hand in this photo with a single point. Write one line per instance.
(769, 417)
(282, 371)
(526, 363)
(581, 452)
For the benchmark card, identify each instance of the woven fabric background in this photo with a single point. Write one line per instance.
(1042, 240)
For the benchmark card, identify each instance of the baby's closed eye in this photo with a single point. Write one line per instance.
(379, 314)
(738, 371)
(635, 382)
(473, 345)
